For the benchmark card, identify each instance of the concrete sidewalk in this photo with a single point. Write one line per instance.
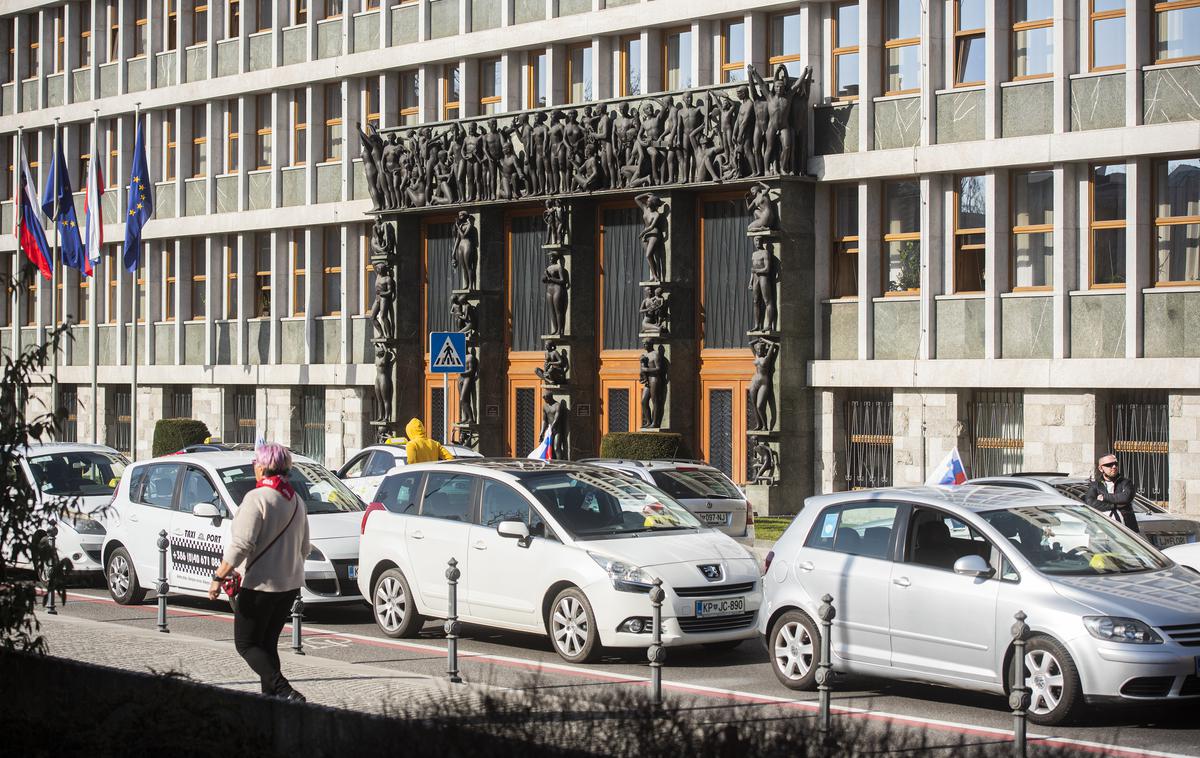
(357, 687)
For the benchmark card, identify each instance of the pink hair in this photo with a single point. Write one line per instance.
(273, 458)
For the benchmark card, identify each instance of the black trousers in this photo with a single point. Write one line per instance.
(258, 619)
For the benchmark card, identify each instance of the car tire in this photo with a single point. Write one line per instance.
(1052, 681)
(572, 625)
(794, 646)
(392, 606)
(722, 646)
(121, 578)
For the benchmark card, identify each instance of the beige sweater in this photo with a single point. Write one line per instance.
(264, 513)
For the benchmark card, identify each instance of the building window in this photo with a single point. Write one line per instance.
(677, 60)
(6, 296)
(538, 95)
(262, 134)
(410, 98)
(1106, 29)
(60, 39)
(113, 16)
(111, 175)
(262, 275)
(1107, 222)
(331, 272)
(845, 241)
(199, 141)
(902, 47)
(266, 15)
(141, 28)
(299, 269)
(199, 272)
(333, 122)
(200, 22)
(1033, 229)
(168, 257)
(299, 12)
(78, 297)
(171, 30)
(867, 419)
(579, 73)
(970, 42)
(489, 85)
(233, 20)
(970, 222)
(1139, 433)
(997, 423)
(30, 300)
(1176, 31)
(451, 90)
(179, 402)
(631, 65)
(1177, 221)
(231, 278)
(785, 43)
(232, 132)
(168, 167)
(370, 101)
(1033, 38)
(902, 237)
(85, 35)
(68, 400)
(245, 410)
(845, 51)
(299, 127)
(733, 51)
(333, 8)
(368, 268)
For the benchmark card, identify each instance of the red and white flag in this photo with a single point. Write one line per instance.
(93, 238)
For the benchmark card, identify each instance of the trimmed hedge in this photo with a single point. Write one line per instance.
(644, 446)
(174, 434)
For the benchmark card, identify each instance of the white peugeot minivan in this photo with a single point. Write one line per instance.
(558, 548)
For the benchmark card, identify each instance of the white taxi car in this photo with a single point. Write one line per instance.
(567, 550)
(366, 469)
(82, 477)
(193, 496)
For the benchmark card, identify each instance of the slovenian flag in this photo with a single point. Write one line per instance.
(544, 451)
(93, 237)
(949, 471)
(28, 229)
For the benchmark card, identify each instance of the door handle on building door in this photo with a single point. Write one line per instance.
(902, 581)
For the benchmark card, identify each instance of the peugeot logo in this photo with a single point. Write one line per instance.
(711, 571)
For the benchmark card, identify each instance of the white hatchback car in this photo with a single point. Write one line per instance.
(558, 548)
(83, 477)
(367, 468)
(193, 496)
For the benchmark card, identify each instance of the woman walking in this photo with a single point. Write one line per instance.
(267, 547)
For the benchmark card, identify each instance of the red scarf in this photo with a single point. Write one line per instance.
(279, 484)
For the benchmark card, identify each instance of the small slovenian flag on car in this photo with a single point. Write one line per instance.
(544, 451)
(949, 471)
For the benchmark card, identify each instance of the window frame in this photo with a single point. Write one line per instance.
(728, 68)
(299, 110)
(1015, 28)
(962, 234)
(1093, 17)
(58, 57)
(232, 301)
(963, 34)
(171, 27)
(329, 270)
(903, 511)
(1015, 229)
(1161, 221)
(838, 243)
(199, 144)
(261, 132)
(141, 36)
(233, 133)
(259, 15)
(413, 110)
(664, 84)
(169, 283)
(333, 9)
(261, 276)
(333, 126)
(198, 250)
(296, 254)
(837, 52)
(369, 105)
(199, 8)
(895, 44)
(446, 82)
(1094, 226)
(623, 88)
(496, 99)
(170, 146)
(368, 271)
(569, 71)
(780, 59)
(84, 48)
(535, 75)
(1167, 6)
(233, 19)
(887, 237)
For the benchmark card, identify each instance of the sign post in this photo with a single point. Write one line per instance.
(447, 355)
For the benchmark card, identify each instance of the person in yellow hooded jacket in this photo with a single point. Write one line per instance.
(422, 449)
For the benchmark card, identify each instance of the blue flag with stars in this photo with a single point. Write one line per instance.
(63, 214)
(140, 206)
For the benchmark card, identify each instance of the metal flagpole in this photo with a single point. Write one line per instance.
(137, 118)
(95, 329)
(18, 174)
(55, 168)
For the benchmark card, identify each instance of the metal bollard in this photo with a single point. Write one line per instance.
(827, 613)
(452, 626)
(162, 587)
(297, 625)
(52, 572)
(1018, 696)
(657, 654)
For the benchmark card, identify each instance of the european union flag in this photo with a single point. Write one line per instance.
(140, 206)
(63, 213)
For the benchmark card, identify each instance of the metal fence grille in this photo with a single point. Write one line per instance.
(245, 411)
(1138, 428)
(437, 414)
(868, 418)
(180, 405)
(120, 430)
(997, 422)
(312, 422)
(68, 399)
(720, 430)
(618, 410)
(527, 418)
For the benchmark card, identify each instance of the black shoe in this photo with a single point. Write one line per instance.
(292, 696)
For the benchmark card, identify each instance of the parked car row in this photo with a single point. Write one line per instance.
(925, 580)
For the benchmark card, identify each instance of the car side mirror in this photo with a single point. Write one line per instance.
(973, 565)
(516, 530)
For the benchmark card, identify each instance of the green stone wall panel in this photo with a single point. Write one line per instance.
(6, 215)
(225, 335)
(135, 75)
(960, 116)
(329, 182)
(960, 328)
(366, 32)
(29, 92)
(1098, 102)
(897, 123)
(258, 190)
(1172, 323)
(529, 10)
(329, 38)
(106, 341)
(164, 75)
(81, 86)
(292, 333)
(404, 25)
(260, 51)
(293, 186)
(897, 329)
(229, 57)
(443, 18)
(571, 7)
(164, 344)
(112, 204)
(1098, 326)
(258, 341)
(193, 344)
(358, 182)
(1027, 109)
(836, 129)
(360, 341)
(193, 197)
(164, 200)
(328, 342)
(485, 14)
(108, 80)
(841, 331)
(197, 64)
(1027, 327)
(617, 3)
(1171, 94)
(7, 94)
(54, 90)
(227, 194)
(295, 45)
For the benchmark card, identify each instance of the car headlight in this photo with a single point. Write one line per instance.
(1118, 629)
(625, 577)
(315, 555)
(82, 524)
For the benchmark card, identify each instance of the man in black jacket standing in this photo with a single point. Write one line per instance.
(1112, 492)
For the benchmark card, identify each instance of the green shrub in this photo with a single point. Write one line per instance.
(174, 434)
(642, 446)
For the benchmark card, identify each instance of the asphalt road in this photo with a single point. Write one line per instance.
(740, 677)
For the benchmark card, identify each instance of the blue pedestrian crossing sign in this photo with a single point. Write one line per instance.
(448, 352)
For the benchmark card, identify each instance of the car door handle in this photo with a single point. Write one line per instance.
(417, 536)
(481, 545)
(805, 566)
(902, 581)
(133, 517)
(177, 531)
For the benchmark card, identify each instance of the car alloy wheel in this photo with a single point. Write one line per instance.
(122, 579)
(794, 650)
(1045, 681)
(1055, 694)
(573, 627)
(118, 575)
(390, 604)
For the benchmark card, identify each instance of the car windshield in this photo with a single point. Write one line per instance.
(78, 473)
(1073, 540)
(321, 491)
(687, 483)
(593, 505)
(1141, 504)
